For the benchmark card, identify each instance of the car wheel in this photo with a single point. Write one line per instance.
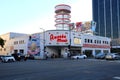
(12, 60)
(77, 57)
(84, 57)
(9, 60)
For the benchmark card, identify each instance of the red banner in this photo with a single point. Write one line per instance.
(96, 46)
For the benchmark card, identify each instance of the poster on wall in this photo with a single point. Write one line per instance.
(77, 41)
(34, 44)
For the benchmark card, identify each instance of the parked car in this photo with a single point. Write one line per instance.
(112, 56)
(1, 57)
(20, 56)
(100, 56)
(7, 58)
(79, 56)
(31, 57)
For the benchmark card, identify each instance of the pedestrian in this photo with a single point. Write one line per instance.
(26, 57)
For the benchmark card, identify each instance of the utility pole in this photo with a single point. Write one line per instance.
(43, 40)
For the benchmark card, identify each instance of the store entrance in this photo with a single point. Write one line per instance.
(59, 53)
(75, 51)
(88, 53)
(55, 51)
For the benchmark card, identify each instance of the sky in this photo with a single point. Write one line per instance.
(28, 16)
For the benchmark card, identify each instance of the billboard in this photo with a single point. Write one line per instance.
(85, 26)
(93, 26)
(78, 26)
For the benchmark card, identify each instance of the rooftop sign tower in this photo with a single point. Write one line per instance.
(62, 16)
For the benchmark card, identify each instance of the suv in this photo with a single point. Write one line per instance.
(7, 58)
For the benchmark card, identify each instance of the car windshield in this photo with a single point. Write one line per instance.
(79, 55)
(6, 56)
(100, 54)
(116, 54)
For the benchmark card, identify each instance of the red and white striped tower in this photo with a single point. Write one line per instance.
(62, 16)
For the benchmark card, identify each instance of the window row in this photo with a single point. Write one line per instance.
(96, 41)
(19, 42)
(2, 49)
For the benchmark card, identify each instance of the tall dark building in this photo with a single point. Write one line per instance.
(106, 13)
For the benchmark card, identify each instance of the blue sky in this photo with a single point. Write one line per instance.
(28, 16)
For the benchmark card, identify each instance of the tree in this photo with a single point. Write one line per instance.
(2, 42)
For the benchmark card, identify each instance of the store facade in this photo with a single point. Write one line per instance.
(59, 43)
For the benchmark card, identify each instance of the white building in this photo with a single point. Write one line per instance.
(8, 37)
(61, 41)
(57, 42)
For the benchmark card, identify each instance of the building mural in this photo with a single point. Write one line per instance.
(34, 44)
(85, 26)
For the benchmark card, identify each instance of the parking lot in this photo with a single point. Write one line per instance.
(61, 69)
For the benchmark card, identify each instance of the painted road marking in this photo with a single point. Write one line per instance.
(116, 77)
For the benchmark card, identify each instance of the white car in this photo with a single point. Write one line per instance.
(112, 56)
(7, 58)
(79, 56)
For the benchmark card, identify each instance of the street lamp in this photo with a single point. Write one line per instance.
(43, 39)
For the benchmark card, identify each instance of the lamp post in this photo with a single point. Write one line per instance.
(43, 39)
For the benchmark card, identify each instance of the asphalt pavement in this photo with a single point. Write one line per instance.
(61, 69)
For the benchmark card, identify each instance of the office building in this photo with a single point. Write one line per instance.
(107, 15)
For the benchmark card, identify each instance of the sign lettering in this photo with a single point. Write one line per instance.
(58, 38)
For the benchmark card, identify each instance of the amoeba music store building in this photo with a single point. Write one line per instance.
(57, 42)
(60, 42)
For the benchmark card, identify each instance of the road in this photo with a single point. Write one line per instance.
(61, 69)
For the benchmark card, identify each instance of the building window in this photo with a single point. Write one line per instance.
(0, 49)
(103, 42)
(15, 51)
(91, 40)
(100, 41)
(94, 41)
(97, 41)
(21, 51)
(16, 42)
(4, 49)
(88, 41)
(85, 40)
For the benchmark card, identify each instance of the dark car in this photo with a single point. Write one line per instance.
(19, 56)
(100, 56)
(31, 57)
